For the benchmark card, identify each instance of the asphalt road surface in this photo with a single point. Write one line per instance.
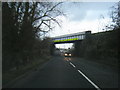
(62, 72)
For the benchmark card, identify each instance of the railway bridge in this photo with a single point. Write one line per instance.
(75, 38)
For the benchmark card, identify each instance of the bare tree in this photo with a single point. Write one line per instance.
(115, 15)
(22, 23)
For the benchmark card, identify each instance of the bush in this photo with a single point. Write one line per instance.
(100, 45)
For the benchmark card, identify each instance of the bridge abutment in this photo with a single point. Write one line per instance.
(77, 48)
(77, 44)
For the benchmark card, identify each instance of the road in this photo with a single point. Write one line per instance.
(61, 72)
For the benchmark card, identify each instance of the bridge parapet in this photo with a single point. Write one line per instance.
(71, 37)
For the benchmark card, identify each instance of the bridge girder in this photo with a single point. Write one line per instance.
(66, 42)
(70, 38)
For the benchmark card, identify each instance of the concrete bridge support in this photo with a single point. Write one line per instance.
(77, 44)
(77, 48)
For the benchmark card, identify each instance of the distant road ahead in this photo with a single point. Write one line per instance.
(61, 72)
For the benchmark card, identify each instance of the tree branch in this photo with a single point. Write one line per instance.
(45, 14)
(53, 8)
(48, 26)
(53, 19)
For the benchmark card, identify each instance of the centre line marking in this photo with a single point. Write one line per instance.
(72, 64)
(89, 80)
(86, 78)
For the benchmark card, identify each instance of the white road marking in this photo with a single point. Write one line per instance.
(72, 64)
(89, 80)
(86, 78)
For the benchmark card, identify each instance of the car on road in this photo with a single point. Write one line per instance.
(67, 54)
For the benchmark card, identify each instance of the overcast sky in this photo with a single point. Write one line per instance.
(83, 16)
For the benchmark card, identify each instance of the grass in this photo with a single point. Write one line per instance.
(12, 75)
(111, 62)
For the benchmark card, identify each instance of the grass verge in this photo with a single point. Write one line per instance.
(9, 76)
(111, 62)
